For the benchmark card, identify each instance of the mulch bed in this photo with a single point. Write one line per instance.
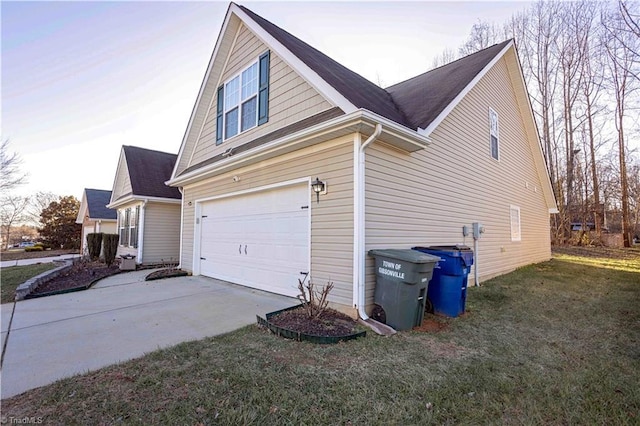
(81, 274)
(330, 323)
(166, 273)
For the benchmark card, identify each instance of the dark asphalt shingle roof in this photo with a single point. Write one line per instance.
(149, 170)
(97, 200)
(357, 89)
(425, 96)
(413, 103)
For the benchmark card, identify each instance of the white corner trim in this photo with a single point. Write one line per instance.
(435, 123)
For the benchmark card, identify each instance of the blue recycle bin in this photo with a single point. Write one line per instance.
(447, 291)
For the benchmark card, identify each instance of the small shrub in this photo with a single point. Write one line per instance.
(33, 248)
(314, 300)
(110, 247)
(94, 245)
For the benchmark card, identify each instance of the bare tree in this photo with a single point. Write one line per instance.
(447, 55)
(10, 173)
(483, 34)
(620, 47)
(38, 202)
(12, 210)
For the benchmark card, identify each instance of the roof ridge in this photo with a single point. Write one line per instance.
(381, 90)
(148, 149)
(505, 42)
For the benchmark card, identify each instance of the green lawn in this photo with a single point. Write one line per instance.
(553, 343)
(13, 276)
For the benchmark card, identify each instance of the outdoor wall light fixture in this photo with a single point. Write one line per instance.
(318, 186)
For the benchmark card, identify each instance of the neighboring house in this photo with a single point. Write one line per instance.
(403, 166)
(148, 210)
(95, 216)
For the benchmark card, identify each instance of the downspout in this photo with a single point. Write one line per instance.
(359, 226)
(181, 189)
(141, 231)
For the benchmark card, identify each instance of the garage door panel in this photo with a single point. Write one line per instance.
(260, 240)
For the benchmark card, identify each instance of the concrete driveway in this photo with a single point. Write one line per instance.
(120, 318)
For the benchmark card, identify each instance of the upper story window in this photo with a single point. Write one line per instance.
(243, 101)
(494, 134)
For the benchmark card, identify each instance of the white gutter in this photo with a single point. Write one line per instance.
(141, 230)
(357, 118)
(132, 198)
(359, 225)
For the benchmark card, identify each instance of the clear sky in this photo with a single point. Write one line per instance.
(81, 79)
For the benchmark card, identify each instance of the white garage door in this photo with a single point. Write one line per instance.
(260, 240)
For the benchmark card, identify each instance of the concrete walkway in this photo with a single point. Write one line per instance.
(21, 262)
(120, 318)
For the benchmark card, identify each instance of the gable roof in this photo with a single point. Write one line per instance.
(342, 87)
(148, 172)
(358, 90)
(425, 96)
(97, 200)
(414, 103)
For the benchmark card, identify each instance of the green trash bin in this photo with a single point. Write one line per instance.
(402, 277)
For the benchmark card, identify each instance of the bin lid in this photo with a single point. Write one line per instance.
(406, 255)
(456, 248)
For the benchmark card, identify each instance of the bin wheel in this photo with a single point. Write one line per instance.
(428, 306)
(379, 314)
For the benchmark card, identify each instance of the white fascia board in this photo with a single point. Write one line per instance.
(544, 177)
(100, 219)
(324, 88)
(203, 86)
(115, 178)
(141, 198)
(362, 117)
(83, 208)
(435, 123)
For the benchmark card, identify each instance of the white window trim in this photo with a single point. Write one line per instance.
(497, 135)
(256, 62)
(517, 236)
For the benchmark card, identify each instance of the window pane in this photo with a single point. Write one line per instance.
(494, 147)
(232, 94)
(515, 224)
(231, 123)
(250, 81)
(249, 113)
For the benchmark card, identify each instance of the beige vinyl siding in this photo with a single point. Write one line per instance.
(426, 197)
(122, 183)
(331, 218)
(161, 233)
(108, 227)
(291, 98)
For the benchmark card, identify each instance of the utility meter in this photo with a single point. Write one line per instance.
(478, 229)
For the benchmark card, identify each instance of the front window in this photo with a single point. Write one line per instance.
(129, 220)
(133, 227)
